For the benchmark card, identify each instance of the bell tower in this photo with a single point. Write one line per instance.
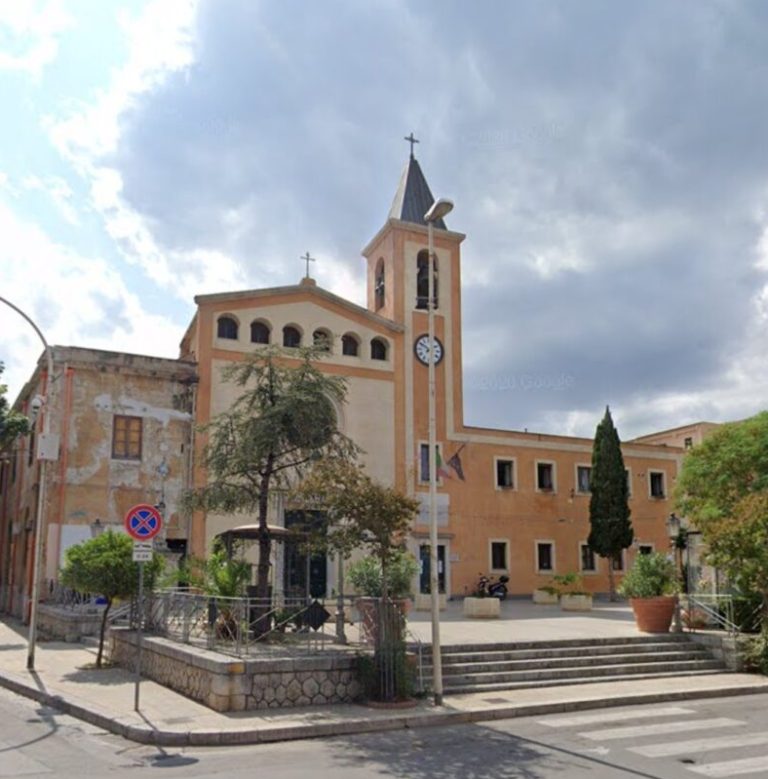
(397, 280)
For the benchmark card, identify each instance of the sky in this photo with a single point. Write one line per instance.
(608, 163)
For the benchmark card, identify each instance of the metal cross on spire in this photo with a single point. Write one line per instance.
(307, 259)
(411, 140)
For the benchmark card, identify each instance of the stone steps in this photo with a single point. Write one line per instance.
(496, 667)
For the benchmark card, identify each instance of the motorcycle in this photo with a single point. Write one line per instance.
(492, 589)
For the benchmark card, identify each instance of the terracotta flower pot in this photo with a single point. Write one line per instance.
(654, 615)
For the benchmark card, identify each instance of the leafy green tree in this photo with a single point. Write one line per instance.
(722, 489)
(360, 513)
(610, 526)
(283, 421)
(12, 424)
(104, 566)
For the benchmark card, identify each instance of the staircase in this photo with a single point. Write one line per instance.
(491, 667)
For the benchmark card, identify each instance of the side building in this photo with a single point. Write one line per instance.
(124, 424)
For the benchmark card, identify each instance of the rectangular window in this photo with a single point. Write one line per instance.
(688, 443)
(126, 438)
(645, 549)
(499, 555)
(545, 557)
(424, 462)
(617, 562)
(587, 557)
(657, 484)
(505, 474)
(583, 472)
(545, 477)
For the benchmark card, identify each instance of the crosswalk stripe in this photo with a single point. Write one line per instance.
(613, 716)
(660, 728)
(746, 765)
(701, 745)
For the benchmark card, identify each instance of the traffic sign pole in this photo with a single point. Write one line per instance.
(138, 638)
(142, 523)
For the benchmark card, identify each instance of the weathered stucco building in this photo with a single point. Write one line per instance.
(124, 424)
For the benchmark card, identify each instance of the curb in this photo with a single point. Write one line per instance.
(147, 735)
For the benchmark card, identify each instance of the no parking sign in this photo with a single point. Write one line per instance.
(143, 522)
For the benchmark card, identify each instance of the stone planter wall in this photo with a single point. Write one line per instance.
(482, 608)
(544, 598)
(423, 601)
(576, 602)
(230, 684)
(68, 625)
(723, 647)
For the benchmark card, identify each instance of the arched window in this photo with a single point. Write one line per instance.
(260, 333)
(349, 345)
(379, 287)
(378, 349)
(322, 339)
(291, 337)
(227, 328)
(422, 280)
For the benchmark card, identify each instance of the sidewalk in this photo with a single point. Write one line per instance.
(105, 698)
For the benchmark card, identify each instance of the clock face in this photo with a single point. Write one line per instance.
(424, 352)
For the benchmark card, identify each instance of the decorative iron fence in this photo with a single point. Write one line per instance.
(236, 625)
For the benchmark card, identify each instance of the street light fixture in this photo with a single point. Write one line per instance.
(47, 449)
(678, 539)
(438, 210)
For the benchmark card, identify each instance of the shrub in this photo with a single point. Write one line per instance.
(365, 576)
(652, 576)
(567, 584)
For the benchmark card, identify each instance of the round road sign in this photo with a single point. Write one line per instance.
(143, 522)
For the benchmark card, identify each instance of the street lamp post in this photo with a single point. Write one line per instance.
(437, 211)
(46, 450)
(678, 540)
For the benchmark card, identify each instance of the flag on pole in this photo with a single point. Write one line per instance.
(452, 468)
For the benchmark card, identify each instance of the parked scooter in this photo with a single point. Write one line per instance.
(491, 588)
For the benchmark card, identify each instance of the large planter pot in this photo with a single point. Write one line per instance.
(653, 615)
(423, 601)
(482, 608)
(570, 602)
(367, 609)
(545, 598)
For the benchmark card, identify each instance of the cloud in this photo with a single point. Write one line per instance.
(608, 165)
(73, 299)
(29, 32)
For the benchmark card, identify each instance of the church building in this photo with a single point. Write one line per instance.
(509, 503)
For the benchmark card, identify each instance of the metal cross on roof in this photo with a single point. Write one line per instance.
(411, 140)
(307, 259)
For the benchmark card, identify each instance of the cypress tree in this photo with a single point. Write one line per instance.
(610, 528)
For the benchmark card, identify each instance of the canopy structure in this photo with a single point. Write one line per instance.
(251, 533)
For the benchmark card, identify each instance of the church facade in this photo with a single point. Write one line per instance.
(509, 502)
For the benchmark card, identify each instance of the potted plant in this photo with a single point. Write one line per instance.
(573, 596)
(651, 586)
(481, 605)
(546, 595)
(365, 575)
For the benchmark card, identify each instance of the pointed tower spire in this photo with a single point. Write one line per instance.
(413, 197)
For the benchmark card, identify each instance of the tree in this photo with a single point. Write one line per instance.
(12, 424)
(723, 490)
(283, 421)
(104, 566)
(360, 513)
(363, 514)
(610, 527)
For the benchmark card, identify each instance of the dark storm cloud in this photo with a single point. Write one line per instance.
(619, 146)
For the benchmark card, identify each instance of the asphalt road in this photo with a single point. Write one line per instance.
(726, 737)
